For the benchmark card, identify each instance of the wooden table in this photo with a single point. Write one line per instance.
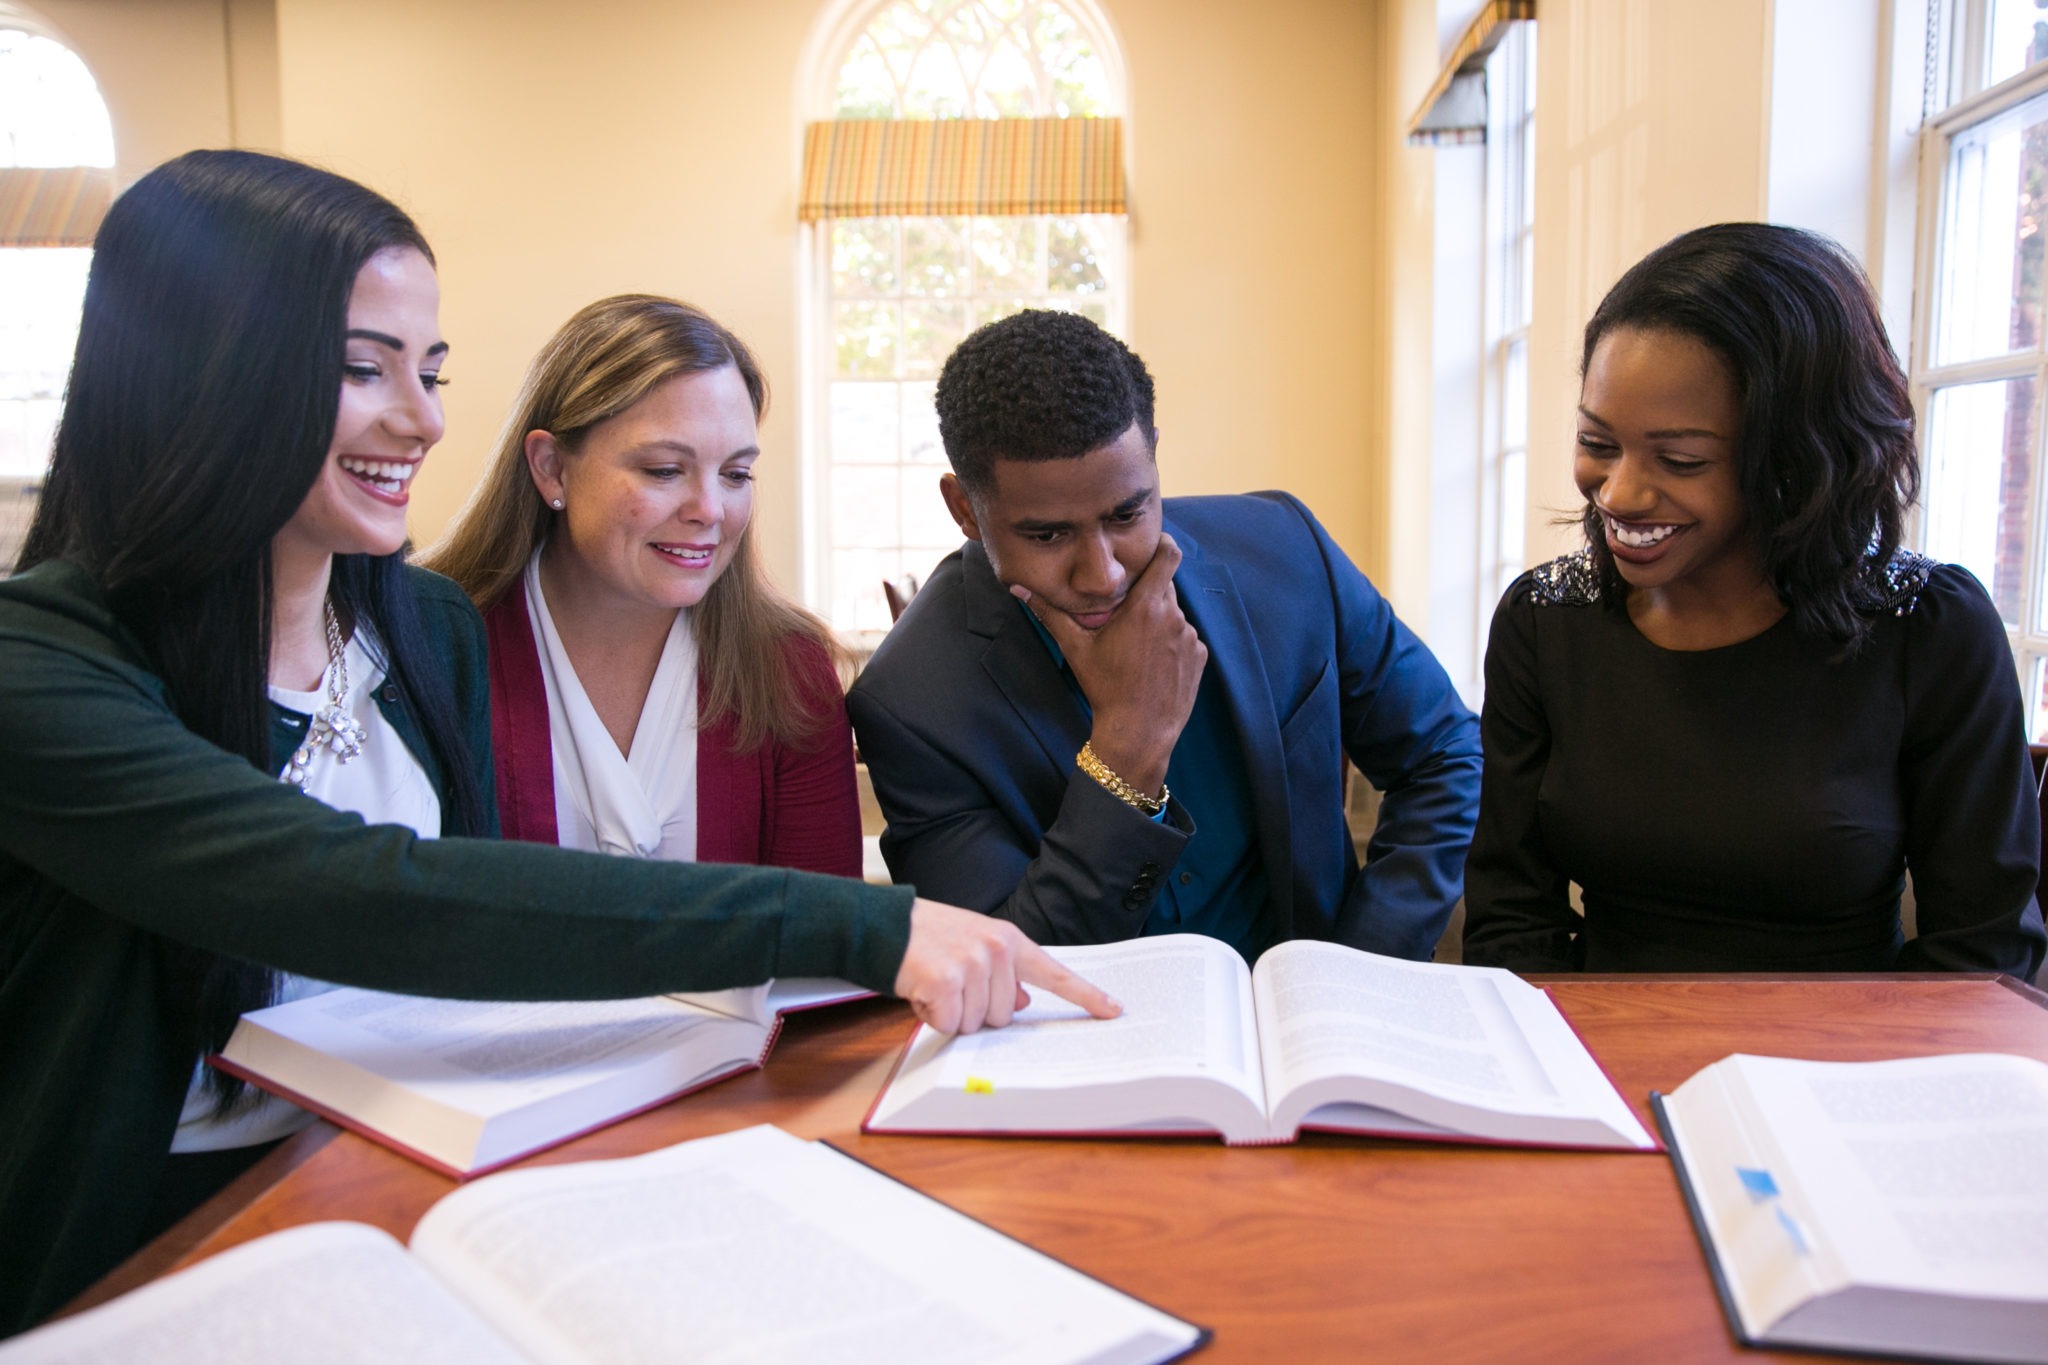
(1335, 1249)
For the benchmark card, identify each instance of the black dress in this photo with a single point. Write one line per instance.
(1753, 807)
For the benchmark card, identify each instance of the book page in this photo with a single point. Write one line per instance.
(1187, 1011)
(1477, 1038)
(756, 1246)
(1924, 1172)
(323, 1294)
(789, 994)
(480, 1057)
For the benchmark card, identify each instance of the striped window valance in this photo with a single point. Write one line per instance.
(872, 168)
(1454, 110)
(53, 205)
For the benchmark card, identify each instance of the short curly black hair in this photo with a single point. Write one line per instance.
(1038, 385)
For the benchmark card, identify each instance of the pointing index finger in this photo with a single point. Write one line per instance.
(1038, 968)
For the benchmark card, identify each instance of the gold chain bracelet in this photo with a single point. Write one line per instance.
(1123, 791)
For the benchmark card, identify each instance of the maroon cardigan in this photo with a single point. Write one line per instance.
(773, 805)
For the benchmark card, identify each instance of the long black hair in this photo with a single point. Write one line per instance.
(201, 407)
(1826, 460)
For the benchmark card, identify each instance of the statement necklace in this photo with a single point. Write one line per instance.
(331, 727)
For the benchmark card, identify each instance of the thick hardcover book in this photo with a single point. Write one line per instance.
(1317, 1037)
(465, 1086)
(749, 1246)
(1890, 1208)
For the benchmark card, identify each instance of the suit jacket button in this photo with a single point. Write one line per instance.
(390, 693)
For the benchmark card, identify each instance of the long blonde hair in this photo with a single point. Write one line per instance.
(605, 359)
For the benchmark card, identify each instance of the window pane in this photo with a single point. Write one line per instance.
(921, 443)
(864, 429)
(1514, 395)
(2015, 37)
(2037, 700)
(1074, 252)
(931, 329)
(51, 113)
(1006, 254)
(857, 602)
(1514, 528)
(866, 505)
(1980, 457)
(863, 256)
(41, 292)
(925, 518)
(935, 256)
(1990, 277)
(864, 340)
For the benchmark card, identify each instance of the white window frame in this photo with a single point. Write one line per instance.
(1510, 228)
(1958, 101)
(830, 42)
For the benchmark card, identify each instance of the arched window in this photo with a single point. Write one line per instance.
(56, 142)
(892, 295)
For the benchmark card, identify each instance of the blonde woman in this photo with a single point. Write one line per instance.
(652, 694)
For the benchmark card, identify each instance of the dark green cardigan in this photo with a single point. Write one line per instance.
(122, 833)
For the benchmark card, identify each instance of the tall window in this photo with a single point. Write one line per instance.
(1510, 284)
(895, 294)
(1980, 372)
(51, 121)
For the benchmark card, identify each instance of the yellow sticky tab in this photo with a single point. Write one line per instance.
(977, 1086)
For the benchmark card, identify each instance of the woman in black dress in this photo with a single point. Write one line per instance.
(1743, 713)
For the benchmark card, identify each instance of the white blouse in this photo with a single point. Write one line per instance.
(642, 804)
(385, 785)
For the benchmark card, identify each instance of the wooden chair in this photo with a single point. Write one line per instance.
(899, 591)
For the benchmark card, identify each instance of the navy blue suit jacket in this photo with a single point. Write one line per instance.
(969, 731)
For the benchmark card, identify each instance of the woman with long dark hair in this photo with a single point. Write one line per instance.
(1743, 713)
(212, 599)
(653, 695)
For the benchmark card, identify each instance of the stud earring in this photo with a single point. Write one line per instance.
(556, 504)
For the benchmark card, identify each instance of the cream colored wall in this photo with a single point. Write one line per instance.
(1652, 118)
(1409, 60)
(1257, 259)
(554, 156)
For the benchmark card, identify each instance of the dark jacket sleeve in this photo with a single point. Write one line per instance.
(1973, 824)
(1517, 910)
(218, 855)
(1415, 740)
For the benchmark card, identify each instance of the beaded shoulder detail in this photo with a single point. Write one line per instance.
(1894, 586)
(1567, 581)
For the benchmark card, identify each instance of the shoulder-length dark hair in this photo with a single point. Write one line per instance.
(1826, 457)
(606, 358)
(200, 409)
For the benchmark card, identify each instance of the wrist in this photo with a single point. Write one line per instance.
(1138, 759)
(1148, 801)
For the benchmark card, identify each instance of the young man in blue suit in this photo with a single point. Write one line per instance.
(1112, 714)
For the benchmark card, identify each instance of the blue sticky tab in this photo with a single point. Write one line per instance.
(1791, 1230)
(1757, 1184)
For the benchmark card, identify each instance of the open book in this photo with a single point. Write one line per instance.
(1319, 1036)
(748, 1246)
(1897, 1207)
(466, 1086)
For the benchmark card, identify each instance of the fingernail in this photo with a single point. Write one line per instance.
(1020, 592)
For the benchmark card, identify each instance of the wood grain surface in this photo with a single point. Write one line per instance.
(1338, 1248)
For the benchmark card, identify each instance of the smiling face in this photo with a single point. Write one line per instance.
(1659, 426)
(655, 500)
(1077, 532)
(390, 415)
